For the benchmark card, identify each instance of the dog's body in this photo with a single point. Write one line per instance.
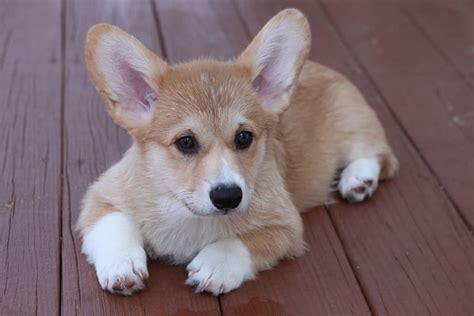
(157, 197)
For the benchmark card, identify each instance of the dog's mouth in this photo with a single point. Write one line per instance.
(193, 210)
(213, 213)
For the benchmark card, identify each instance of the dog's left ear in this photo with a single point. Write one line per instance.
(276, 56)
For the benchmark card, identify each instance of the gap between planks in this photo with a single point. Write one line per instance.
(393, 113)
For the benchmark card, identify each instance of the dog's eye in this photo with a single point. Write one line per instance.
(243, 140)
(187, 145)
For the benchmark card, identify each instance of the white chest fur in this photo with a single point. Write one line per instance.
(173, 232)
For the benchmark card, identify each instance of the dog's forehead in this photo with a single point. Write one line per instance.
(205, 84)
(212, 89)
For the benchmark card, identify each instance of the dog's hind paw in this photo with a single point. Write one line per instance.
(359, 180)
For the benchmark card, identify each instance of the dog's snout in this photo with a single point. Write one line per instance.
(226, 197)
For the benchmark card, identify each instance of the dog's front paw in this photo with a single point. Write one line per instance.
(123, 273)
(220, 267)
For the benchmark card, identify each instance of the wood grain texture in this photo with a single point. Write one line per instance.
(94, 143)
(200, 29)
(449, 27)
(410, 229)
(410, 250)
(30, 107)
(319, 283)
(427, 96)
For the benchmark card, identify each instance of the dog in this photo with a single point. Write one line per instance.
(225, 156)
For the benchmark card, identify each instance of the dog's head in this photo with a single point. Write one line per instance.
(202, 126)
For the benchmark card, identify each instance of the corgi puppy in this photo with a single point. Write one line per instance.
(225, 156)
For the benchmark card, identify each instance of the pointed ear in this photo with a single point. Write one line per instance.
(125, 73)
(275, 58)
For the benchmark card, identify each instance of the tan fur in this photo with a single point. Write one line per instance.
(328, 125)
(290, 166)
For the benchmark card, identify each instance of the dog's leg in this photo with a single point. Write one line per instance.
(224, 265)
(114, 246)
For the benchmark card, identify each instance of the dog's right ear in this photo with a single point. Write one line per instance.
(125, 73)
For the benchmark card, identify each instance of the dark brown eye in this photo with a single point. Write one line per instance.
(187, 145)
(243, 140)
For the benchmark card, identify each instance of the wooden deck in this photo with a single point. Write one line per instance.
(408, 251)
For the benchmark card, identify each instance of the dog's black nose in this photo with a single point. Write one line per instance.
(226, 197)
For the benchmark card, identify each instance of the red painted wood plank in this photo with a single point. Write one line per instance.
(449, 26)
(322, 281)
(319, 283)
(30, 156)
(410, 250)
(200, 29)
(93, 143)
(427, 95)
(425, 242)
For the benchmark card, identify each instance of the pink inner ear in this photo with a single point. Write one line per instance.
(264, 87)
(134, 93)
(271, 81)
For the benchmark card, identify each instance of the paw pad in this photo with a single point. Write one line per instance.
(359, 189)
(123, 284)
(368, 182)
